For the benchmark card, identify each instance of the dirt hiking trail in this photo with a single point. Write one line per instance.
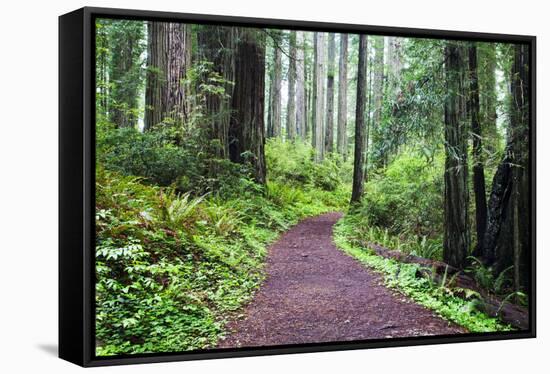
(315, 293)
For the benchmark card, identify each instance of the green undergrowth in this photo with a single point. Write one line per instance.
(403, 277)
(172, 268)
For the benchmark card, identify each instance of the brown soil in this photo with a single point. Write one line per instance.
(315, 293)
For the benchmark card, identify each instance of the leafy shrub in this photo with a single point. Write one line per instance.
(162, 158)
(171, 267)
(292, 163)
(406, 197)
(445, 301)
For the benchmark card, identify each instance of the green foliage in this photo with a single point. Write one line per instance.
(120, 70)
(413, 102)
(501, 284)
(406, 197)
(161, 157)
(172, 268)
(446, 301)
(402, 205)
(292, 163)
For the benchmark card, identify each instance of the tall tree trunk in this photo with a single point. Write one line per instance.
(378, 85)
(359, 157)
(520, 164)
(275, 104)
(488, 96)
(246, 131)
(291, 104)
(477, 155)
(314, 80)
(307, 93)
(269, 131)
(168, 58)
(300, 85)
(369, 118)
(218, 107)
(320, 97)
(331, 71)
(457, 237)
(507, 240)
(496, 210)
(341, 133)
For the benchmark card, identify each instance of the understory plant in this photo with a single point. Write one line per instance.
(456, 305)
(173, 267)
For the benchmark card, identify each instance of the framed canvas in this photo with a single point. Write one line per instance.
(235, 186)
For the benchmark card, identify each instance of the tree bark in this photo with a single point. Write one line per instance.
(313, 92)
(456, 237)
(320, 97)
(331, 71)
(358, 161)
(291, 105)
(520, 165)
(507, 239)
(246, 132)
(496, 210)
(477, 155)
(275, 104)
(488, 97)
(378, 86)
(300, 85)
(341, 133)
(168, 58)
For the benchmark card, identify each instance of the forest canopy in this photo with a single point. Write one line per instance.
(211, 140)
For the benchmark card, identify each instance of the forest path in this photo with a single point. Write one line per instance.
(315, 293)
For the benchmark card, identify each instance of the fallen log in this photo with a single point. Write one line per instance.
(490, 304)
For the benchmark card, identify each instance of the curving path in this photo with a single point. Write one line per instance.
(314, 293)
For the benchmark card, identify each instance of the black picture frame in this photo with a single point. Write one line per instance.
(77, 194)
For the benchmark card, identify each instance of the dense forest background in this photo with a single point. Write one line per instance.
(213, 139)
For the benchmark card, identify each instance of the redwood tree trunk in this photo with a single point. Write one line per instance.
(359, 157)
(341, 133)
(456, 237)
(246, 131)
(313, 92)
(488, 96)
(320, 97)
(275, 104)
(291, 105)
(301, 111)
(378, 86)
(507, 240)
(477, 155)
(498, 200)
(331, 71)
(168, 58)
